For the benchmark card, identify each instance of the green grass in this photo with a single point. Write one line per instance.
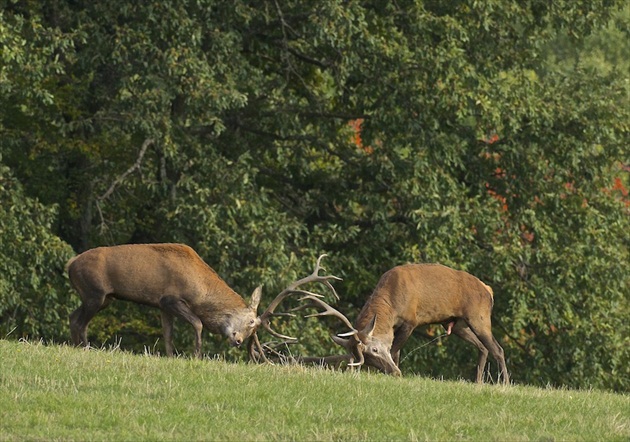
(64, 393)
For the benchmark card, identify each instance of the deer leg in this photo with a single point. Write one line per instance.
(167, 330)
(498, 355)
(484, 333)
(76, 330)
(80, 318)
(401, 335)
(504, 372)
(179, 308)
(464, 332)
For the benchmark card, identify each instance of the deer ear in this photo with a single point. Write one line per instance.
(369, 329)
(255, 299)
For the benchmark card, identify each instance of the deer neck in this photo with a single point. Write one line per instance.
(386, 317)
(217, 306)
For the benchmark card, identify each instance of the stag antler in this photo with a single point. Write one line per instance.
(331, 311)
(256, 351)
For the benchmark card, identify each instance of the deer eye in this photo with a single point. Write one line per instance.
(252, 322)
(374, 350)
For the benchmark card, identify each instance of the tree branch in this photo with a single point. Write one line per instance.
(148, 142)
(143, 150)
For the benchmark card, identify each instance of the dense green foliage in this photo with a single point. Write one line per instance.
(62, 393)
(35, 299)
(489, 136)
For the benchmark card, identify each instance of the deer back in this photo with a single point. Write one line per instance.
(418, 294)
(144, 273)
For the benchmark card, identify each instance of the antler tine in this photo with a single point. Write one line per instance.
(328, 311)
(326, 280)
(290, 315)
(331, 288)
(255, 350)
(318, 263)
(279, 335)
(306, 292)
(316, 277)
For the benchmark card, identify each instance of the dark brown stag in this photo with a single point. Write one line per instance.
(173, 278)
(413, 295)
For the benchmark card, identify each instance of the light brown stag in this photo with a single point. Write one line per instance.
(413, 295)
(173, 278)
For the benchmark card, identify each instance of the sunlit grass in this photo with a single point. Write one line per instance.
(60, 392)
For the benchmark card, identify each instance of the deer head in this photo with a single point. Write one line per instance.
(368, 349)
(362, 346)
(242, 323)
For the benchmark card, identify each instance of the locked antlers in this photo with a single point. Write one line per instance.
(255, 348)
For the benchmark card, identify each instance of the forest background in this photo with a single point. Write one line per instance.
(490, 136)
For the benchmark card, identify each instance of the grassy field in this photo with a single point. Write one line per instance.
(63, 393)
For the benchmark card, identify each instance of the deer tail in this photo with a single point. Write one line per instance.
(489, 289)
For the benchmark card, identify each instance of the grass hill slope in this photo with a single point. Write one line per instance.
(64, 393)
